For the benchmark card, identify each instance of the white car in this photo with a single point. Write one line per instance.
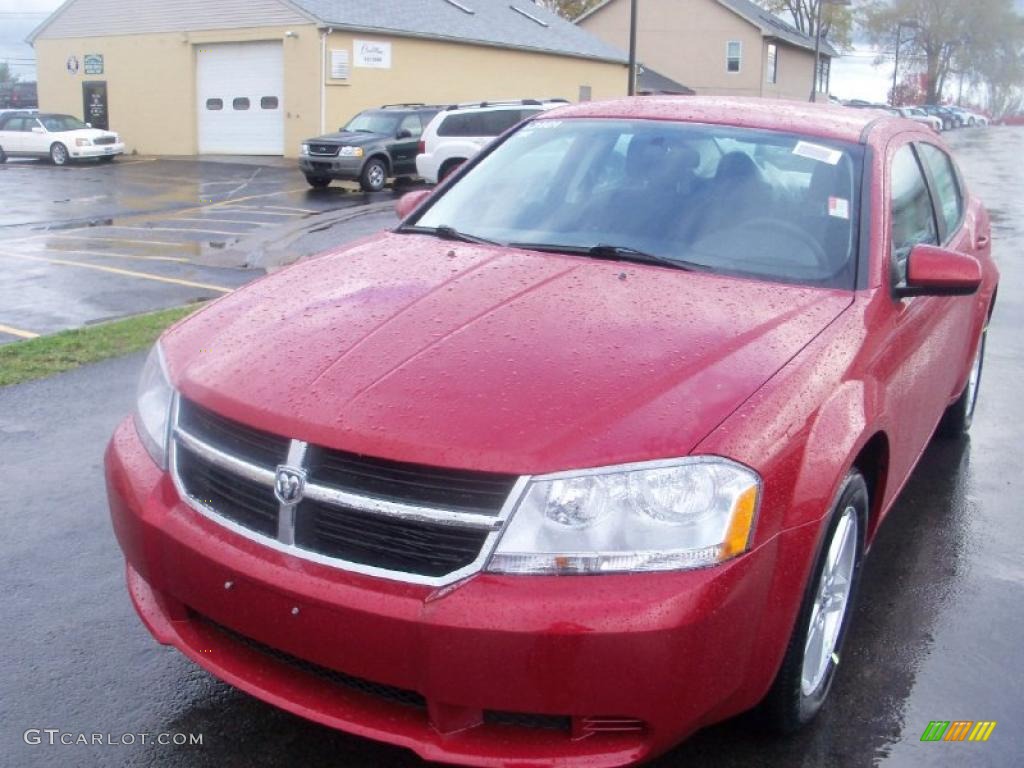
(919, 116)
(460, 131)
(61, 138)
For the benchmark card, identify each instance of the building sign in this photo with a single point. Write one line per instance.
(372, 54)
(71, 65)
(339, 65)
(93, 63)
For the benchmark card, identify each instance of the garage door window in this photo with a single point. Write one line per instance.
(215, 104)
(240, 103)
(268, 102)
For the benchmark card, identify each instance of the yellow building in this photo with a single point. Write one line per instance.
(183, 77)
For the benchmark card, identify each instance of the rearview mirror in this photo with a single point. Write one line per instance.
(410, 201)
(933, 271)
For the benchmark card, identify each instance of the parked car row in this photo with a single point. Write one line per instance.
(406, 140)
(940, 118)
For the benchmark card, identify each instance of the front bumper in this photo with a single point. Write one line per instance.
(624, 665)
(345, 168)
(97, 150)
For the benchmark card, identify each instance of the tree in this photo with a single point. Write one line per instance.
(942, 35)
(6, 76)
(836, 20)
(570, 9)
(908, 92)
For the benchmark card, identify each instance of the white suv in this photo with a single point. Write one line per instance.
(460, 131)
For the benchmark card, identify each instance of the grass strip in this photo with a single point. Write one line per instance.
(36, 358)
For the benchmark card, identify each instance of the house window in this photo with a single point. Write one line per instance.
(824, 74)
(773, 63)
(733, 55)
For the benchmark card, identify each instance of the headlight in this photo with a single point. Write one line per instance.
(83, 143)
(304, 149)
(351, 152)
(658, 516)
(153, 406)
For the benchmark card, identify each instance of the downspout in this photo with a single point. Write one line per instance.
(323, 80)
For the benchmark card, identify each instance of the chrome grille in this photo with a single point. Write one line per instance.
(105, 140)
(410, 522)
(324, 150)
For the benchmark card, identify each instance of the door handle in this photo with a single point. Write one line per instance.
(982, 241)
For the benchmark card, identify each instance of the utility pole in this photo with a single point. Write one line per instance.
(632, 47)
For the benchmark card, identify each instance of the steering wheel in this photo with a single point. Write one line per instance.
(783, 229)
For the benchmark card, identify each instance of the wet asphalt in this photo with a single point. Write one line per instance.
(937, 632)
(90, 242)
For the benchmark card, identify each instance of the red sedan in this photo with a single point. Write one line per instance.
(585, 454)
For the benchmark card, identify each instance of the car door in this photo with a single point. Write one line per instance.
(913, 360)
(35, 138)
(405, 146)
(10, 135)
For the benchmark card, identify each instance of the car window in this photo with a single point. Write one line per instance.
(466, 124)
(735, 201)
(412, 124)
(947, 186)
(56, 123)
(11, 124)
(913, 220)
(373, 122)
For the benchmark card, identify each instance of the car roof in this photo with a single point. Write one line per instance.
(822, 120)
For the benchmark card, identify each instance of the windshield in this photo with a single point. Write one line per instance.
(735, 201)
(55, 123)
(373, 122)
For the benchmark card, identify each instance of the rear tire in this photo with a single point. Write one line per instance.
(449, 168)
(812, 657)
(318, 182)
(958, 418)
(59, 154)
(3, 156)
(107, 158)
(374, 175)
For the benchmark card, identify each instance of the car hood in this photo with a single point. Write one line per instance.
(349, 138)
(86, 133)
(474, 356)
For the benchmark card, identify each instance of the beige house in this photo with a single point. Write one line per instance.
(727, 47)
(181, 77)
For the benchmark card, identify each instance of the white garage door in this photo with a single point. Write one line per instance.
(240, 87)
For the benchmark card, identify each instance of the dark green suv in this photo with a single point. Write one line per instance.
(377, 144)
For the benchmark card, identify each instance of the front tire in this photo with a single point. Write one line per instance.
(318, 182)
(812, 657)
(3, 156)
(107, 158)
(59, 154)
(959, 416)
(374, 175)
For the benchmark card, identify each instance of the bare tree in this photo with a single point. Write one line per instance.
(836, 20)
(570, 9)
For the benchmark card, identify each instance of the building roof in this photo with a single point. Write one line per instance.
(516, 24)
(796, 117)
(503, 23)
(771, 26)
(648, 81)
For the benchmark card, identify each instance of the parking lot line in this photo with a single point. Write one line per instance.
(117, 271)
(284, 208)
(17, 332)
(258, 211)
(124, 240)
(214, 221)
(203, 230)
(108, 254)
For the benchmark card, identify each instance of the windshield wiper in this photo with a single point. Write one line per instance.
(613, 253)
(446, 232)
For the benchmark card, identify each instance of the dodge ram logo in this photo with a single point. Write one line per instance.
(288, 484)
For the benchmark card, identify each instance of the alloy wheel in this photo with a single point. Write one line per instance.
(831, 602)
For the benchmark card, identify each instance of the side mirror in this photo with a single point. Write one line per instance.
(410, 201)
(933, 271)
(38, 129)
(88, 125)
(405, 133)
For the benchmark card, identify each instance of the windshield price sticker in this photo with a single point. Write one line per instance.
(817, 152)
(839, 208)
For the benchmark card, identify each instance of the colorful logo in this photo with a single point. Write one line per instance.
(958, 730)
